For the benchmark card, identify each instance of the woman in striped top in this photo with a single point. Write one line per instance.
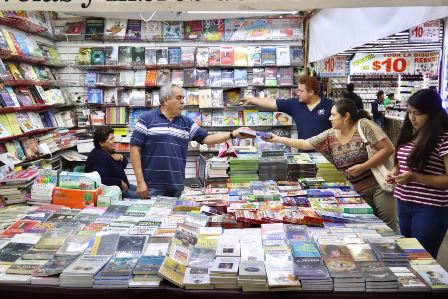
(421, 171)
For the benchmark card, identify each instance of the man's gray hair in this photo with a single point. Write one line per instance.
(165, 91)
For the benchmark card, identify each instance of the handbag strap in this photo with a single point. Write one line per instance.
(361, 133)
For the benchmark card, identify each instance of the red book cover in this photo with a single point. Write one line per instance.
(150, 79)
(20, 176)
(214, 56)
(18, 227)
(227, 55)
(16, 44)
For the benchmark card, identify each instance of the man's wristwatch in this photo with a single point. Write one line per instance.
(231, 135)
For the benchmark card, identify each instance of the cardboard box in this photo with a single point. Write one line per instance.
(73, 198)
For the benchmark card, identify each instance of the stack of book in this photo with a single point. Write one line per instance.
(326, 169)
(243, 170)
(82, 271)
(389, 252)
(341, 266)
(273, 168)
(300, 166)
(224, 272)
(116, 273)
(252, 276)
(217, 167)
(408, 280)
(16, 186)
(308, 266)
(378, 277)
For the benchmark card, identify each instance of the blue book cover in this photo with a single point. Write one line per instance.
(95, 96)
(268, 55)
(174, 56)
(22, 44)
(301, 249)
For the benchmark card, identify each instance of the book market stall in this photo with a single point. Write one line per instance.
(254, 218)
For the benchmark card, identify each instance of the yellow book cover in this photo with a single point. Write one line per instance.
(173, 271)
(8, 39)
(240, 56)
(4, 122)
(205, 241)
(13, 123)
(95, 246)
(14, 70)
(409, 243)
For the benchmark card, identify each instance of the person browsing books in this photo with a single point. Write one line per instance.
(159, 145)
(310, 111)
(109, 164)
(343, 146)
(421, 171)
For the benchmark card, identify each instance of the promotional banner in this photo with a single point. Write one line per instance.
(427, 32)
(425, 63)
(334, 66)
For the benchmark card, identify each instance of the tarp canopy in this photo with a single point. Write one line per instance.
(336, 30)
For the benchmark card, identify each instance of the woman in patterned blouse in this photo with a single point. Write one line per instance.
(343, 146)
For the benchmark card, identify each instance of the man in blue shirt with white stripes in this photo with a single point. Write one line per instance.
(159, 145)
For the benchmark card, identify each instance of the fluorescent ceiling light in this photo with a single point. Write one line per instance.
(242, 12)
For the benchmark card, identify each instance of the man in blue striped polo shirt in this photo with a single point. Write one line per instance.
(159, 145)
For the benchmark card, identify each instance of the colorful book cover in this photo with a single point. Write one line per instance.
(268, 55)
(192, 98)
(281, 119)
(250, 117)
(115, 28)
(214, 56)
(150, 79)
(98, 56)
(230, 118)
(192, 30)
(95, 96)
(133, 30)
(213, 30)
(265, 118)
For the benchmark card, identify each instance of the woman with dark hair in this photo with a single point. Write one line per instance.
(421, 171)
(343, 146)
(109, 164)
